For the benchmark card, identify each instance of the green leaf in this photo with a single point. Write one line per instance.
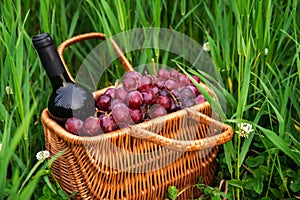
(254, 161)
(63, 194)
(295, 186)
(235, 183)
(264, 169)
(259, 181)
(258, 187)
(290, 173)
(208, 191)
(73, 194)
(258, 174)
(266, 198)
(249, 183)
(200, 180)
(43, 198)
(172, 192)
(216, 198)
(46, 192)
(223, 194)
(277, 193)
(46, 178)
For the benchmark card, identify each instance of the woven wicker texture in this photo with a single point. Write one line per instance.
(141, 161)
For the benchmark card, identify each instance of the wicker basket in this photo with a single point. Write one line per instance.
(141, 161)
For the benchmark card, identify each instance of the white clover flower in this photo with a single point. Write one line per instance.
(206, 46)
(244, 129)
(8, 90)
(266, 51)
(42, 155)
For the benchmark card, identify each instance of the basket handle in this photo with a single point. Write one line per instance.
(61, 48)
(187, 145)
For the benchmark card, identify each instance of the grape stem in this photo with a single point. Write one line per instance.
(116, 83)
(154, 67)
(174, 97)
(99, 111)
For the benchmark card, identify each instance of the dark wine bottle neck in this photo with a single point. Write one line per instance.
(60, 80)
(50, 59)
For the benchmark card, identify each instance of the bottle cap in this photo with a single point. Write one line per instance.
(42, 40)
(48, 54)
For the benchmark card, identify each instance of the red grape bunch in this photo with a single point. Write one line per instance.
(140, 98)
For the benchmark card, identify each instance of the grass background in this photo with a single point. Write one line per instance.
(261, 89)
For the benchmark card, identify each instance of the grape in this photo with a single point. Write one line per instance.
(173, 74)
(160, 84)
(130, 84)
(156, 110)
(187, 103)
(154, 79)
(196, 78)
(145, 83)
(183, 81)
(135, 99)
(155, 90)
(120, 113)
(144, 109)
(121, 94)
(91, 126)
(170, 85)
(111, 92)
(174, 106)
(148, 97)
(115, 102)
(103, 102)
(164, 93)
(194, 89)
(136, 115)
(123, 125)
(73, 125)
(187, 93)
(163, 74)
(175, 94)
(165, 101)
(133, 74)
(107, 123)
(199, 99)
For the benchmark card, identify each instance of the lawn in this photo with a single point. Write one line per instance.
(254, 47)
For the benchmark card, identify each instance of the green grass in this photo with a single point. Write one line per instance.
(261, 89)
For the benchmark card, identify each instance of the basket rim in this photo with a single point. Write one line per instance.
(139, 131)
(63, 133)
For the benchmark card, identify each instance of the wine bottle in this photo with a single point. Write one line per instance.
(68, 99)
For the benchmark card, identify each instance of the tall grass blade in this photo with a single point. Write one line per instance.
(120, 8)
(31, 186)
(45, 15)
(74, 22)
(247, 142)
(280, 144)
(186, 16)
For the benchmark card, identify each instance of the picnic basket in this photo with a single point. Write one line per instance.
(141, 161)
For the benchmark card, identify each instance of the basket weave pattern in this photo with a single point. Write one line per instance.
(141, 161)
